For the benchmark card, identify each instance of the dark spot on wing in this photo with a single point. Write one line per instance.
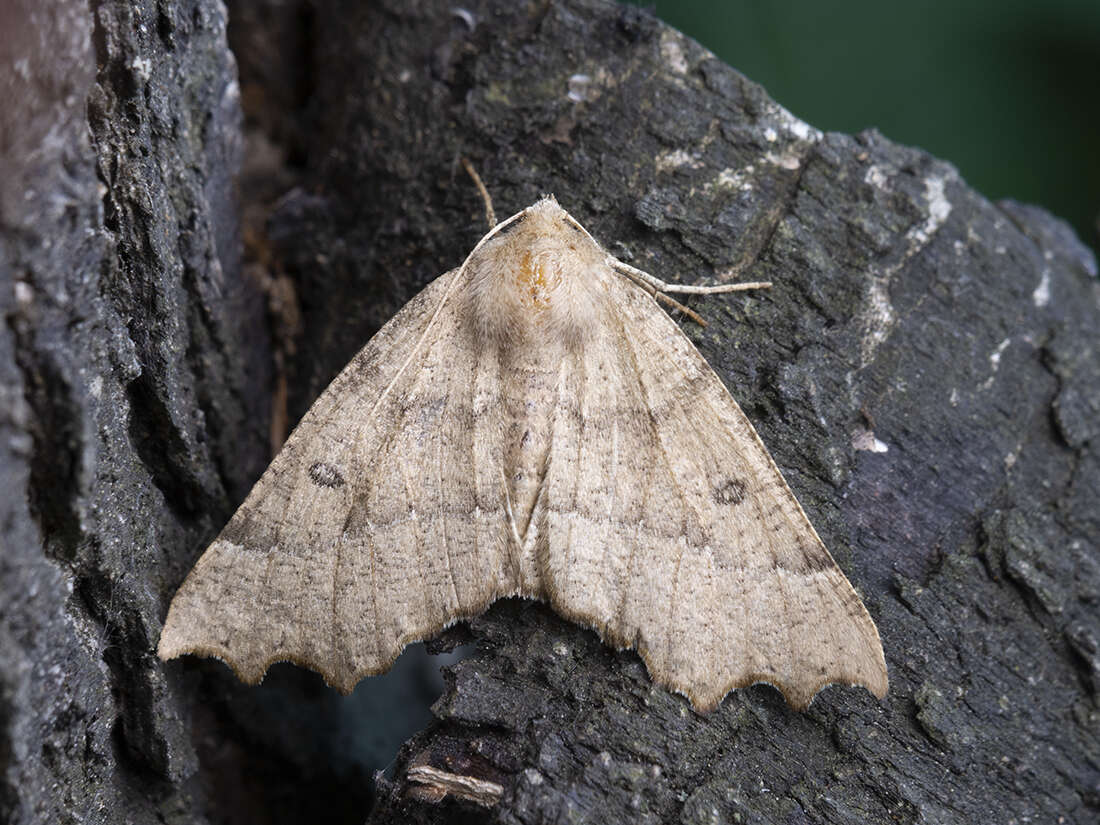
(730, 491)
(250, 532)
(324, 474)
(804, 560)
(241, 528)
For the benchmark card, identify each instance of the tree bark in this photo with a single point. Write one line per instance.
(925, 372)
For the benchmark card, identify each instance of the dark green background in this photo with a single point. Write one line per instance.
(1007, 91)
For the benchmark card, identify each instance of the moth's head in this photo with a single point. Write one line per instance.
(539, 275)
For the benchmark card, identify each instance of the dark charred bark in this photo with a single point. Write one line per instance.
(925, 371)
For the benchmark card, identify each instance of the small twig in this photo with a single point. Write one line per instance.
(490, 215)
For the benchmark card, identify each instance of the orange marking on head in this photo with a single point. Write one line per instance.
(534, 282)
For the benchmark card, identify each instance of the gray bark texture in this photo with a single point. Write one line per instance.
(926, 372)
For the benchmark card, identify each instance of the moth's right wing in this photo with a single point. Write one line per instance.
(669, 528)
(380, 521)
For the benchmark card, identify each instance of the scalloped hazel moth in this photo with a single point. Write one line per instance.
(534, 424)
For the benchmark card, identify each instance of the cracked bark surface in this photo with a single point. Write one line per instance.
(925, 372)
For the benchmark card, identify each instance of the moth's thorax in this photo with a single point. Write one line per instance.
(538, 280)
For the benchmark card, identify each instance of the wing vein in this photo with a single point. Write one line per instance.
(628, 568)
(666, 459)
(576, 475)
(442, 494)
(337, 565)
(414, 518)
(416, 347)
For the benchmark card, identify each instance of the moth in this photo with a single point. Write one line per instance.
(532, 423)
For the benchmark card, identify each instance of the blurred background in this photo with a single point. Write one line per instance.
(1006, 90)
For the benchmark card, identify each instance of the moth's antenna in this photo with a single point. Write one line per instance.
(659, 289)
(490, 215)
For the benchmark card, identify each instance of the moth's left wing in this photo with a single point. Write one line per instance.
(381, 520)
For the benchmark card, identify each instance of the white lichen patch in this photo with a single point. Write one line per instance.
(677, 159)
(578, 87)
(866, 441)
(939, 208)
(995, 356)
(878, 317)
(995, 362)
(733, 179)
(24, 295)
(798, 129)
(672, 50)
(875, 176)
(585, 87)
(1041, 295)
(142, 67)
(787, 160)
